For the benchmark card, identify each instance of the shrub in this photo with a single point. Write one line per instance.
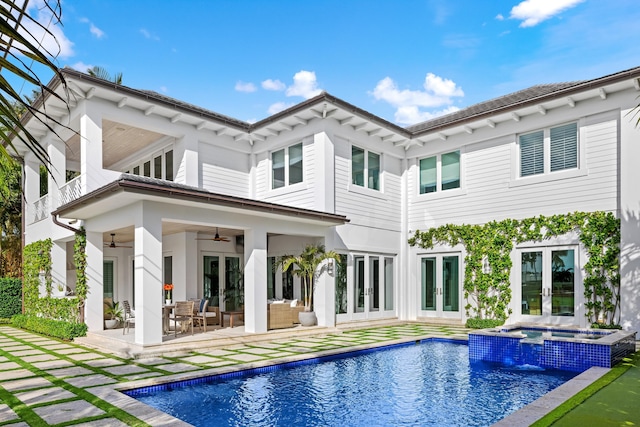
(475, 323)
(605, 326)
(53, 328)
(10, 297)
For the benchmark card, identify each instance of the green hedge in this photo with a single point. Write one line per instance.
(475, 323)
(10, 297)
(53, 328)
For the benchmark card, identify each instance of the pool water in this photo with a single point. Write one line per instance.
(432, 383)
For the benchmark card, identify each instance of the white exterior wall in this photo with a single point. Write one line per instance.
(224, 171)
(490, 192)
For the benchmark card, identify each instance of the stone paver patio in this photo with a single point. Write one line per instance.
(45, 382)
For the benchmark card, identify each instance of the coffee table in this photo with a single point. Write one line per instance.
(230, 314)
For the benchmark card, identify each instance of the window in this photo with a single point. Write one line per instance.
(365, 168)
(444, 177)
(159, 166)
(286, 166)
(560, 142)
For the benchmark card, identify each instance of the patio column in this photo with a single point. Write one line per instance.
(93, 312)
(324, 297)
(255, 280)
(147, 249)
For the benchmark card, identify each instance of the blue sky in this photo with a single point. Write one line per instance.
(404, 60)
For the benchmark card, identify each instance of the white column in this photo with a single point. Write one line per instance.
(185, 266)
(93, 312)
(147, 249)
(255, 280)
(630, 218)
(57, 176)
(31, 187)
(403, 311)
(91, 149)
(324, 297)
(324, 163)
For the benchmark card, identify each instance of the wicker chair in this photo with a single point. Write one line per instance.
(183, 312)
(129, 316)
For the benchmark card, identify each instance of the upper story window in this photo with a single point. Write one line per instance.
(560, 142)
(286, 166)
(365, 168)
(159, 165)
(439, 173)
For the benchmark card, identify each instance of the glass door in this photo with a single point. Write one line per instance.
(548, 284)
(440, 286)
(211, 280)
(223, 282)
(373, 285)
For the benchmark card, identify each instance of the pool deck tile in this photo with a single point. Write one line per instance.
(245, 357)
(8, 366)
(101, 363)
(15, 374)
(44, 395)
(90, 381)
(38, 358)
(53, 364)
(68, 411)
(73, 371)
(26, 384)
(178, 367)
(6, 413)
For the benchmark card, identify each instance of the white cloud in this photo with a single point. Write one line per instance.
(412, 114)
(96, 31)
(273, 85)
(164, 89)
(58, 45)
(533, 12)
(245, 87)
(304, 85)
(148, 35)
(81, 66)
(278, 106)
(437, 92)
(499, 17)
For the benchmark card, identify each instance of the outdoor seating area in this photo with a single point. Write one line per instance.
(283, 313)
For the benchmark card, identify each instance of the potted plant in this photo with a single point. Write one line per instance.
(114, 311)
(305, 266)
(168, 287)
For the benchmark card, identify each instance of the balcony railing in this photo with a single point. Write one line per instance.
(71, 190)
(41, 208)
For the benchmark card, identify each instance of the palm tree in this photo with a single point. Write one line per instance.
(305, 266)
(18, 53)
(102, 73)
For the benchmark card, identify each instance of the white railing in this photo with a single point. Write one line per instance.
(41, 208)
(71, 190)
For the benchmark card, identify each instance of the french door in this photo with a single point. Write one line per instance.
(440, 290)
(223, 281)
(548, 284)
(365, 287)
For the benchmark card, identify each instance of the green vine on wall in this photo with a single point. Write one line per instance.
(80, 261)
(37, 265)
(488, 290)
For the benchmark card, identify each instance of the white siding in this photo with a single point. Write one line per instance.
(489, 195)
(379, 209)
(298, 195)
(224, 171)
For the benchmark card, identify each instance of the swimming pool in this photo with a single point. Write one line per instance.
(432, 383)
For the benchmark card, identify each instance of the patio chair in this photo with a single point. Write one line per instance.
(129, 316)
(202, 314)
(183, 313)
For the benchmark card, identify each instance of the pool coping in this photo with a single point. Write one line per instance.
(114, 393)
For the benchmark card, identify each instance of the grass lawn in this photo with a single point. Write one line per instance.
(613, 400)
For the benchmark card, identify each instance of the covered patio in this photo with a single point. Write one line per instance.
(154, 219)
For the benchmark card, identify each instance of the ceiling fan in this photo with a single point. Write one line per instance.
(216, 238)
(113, 243)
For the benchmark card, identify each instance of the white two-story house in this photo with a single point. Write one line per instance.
(157, 181)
